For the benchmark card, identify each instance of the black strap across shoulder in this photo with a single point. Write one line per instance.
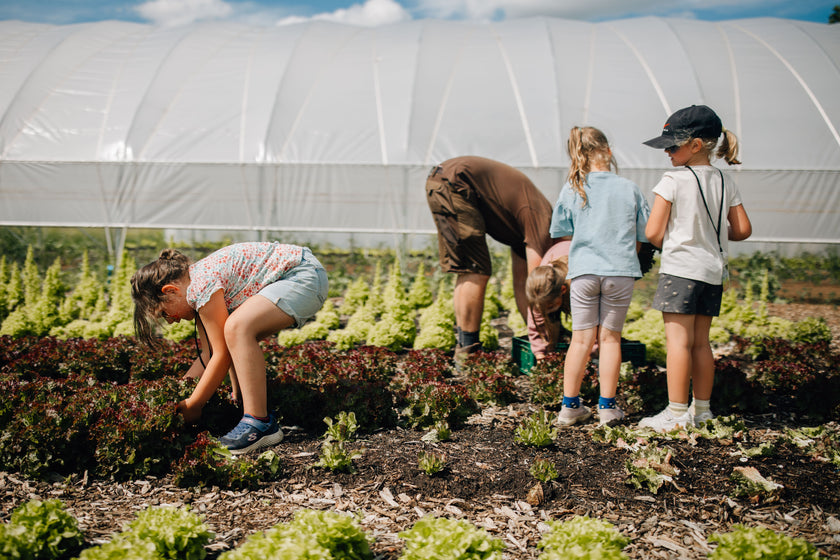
(719, 225)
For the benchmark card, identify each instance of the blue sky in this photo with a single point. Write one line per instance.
(383, 12)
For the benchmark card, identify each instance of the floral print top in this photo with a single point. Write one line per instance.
(240, 271)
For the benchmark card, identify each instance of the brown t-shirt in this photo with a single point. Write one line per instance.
(515, 212)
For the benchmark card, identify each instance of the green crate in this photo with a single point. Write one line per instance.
(631, 351)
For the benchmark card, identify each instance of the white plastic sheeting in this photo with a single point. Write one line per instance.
(324, 127)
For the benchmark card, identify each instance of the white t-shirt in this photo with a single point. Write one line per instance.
(690, 247)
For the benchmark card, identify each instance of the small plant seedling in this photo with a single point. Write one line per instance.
(440, 432)
(536, 430)
(544, 470)
(343, 428)
(334, 456)
(431, 463)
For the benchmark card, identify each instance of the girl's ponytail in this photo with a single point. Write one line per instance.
(728, 148)
(586, 144)
(578, 168)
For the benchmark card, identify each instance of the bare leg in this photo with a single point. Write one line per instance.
(252, 321)
(609, 361)
(703, 361)
(236, 392)
(679, 336)
(469, 300)
(576, 359)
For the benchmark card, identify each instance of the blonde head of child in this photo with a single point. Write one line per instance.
(547, 290)
(589, 150)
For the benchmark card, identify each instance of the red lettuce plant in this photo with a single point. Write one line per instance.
(804, 375)
(206, 463)
(427, 403)
(490, 377)
(139, 433)
(311, 381)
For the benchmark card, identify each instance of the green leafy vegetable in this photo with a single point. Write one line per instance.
(40, 530)
(450, 539)
(582, 538)
(311, 535)
(756, 543)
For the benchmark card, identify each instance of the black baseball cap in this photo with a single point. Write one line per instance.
(697, 121)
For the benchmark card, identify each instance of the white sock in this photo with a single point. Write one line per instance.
(678, 409)
(700, 406)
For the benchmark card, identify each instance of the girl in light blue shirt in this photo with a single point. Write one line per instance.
(605, 215)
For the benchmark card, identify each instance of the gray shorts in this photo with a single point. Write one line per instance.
(300, 292)
(675, 294)
(600, 300)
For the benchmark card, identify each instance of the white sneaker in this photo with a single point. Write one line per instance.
(571, 416)
(698, 419)
(610, 416)
(666, 421)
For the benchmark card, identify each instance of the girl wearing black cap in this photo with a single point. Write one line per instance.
(691, 206)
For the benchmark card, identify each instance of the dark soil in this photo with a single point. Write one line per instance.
(487, 482)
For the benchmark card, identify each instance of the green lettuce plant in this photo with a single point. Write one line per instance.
(439, 432)
(544, 470)
(335, 456)
(121, 549)
(649, 466)
(756, 543)
(326, 320)
(311, 535)
(420, 294)
(355, 296)
(749, 483)
(818, 441)
(650, 331)
(437, 323)
(582, 538)
(175, 532)
(343, 428)
(157, 533)
(450, 539)
(536, 430)
(40, 530)
(431, 463)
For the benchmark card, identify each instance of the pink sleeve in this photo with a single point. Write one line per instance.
(535, 319)
(538, 344)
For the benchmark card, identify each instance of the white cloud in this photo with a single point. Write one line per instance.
(371, 13)
(183, 12)
(573, 9)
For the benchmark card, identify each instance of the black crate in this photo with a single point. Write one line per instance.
(631, 351)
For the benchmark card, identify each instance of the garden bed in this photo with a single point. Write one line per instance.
(487, 482)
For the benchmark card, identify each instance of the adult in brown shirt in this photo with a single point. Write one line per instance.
(471, 197)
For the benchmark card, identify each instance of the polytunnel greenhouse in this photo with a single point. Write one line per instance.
(327, 128)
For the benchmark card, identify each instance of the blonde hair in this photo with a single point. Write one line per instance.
(727, 150)
(542, 287)
(146, 290)
(585, 145)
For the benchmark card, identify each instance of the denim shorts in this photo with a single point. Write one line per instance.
(675, 294)
(301, 291)
(600, 300)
